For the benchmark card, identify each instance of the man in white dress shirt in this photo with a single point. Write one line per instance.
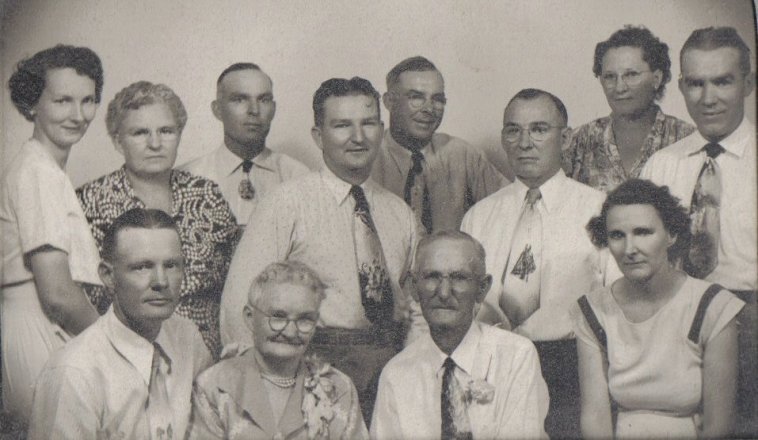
(715, 80)
(129, 375)
(465, 379)
(538, 248)
(357, 236)
(243, 167)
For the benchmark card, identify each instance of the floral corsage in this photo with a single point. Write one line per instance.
(479, 391)
(317, 401)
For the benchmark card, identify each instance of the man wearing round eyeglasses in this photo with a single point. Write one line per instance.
(538, 249)
(274, 390)
(486, 382)
(438, 175)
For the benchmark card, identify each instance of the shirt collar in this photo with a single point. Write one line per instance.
(341, 189)
(551, 190)
(396, 148)
(230, 162)
(464, 354)
(734, 144)
(137, 350)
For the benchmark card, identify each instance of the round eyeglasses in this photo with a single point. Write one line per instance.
(279, 323)
(631, 78)
(458, 280)
(538, 131)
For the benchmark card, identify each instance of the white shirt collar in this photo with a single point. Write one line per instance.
(551, 190)
(341, 189)
(230, 162)
(734, 144)
(464, 354)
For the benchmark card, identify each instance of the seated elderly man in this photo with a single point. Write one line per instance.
(129, 375)
(273, 390)
(466, 379)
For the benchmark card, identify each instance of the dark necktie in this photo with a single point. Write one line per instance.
(449, 399)
(160, 418)
(416, 192)
(246, 190)
(702, 256)
(373, 278)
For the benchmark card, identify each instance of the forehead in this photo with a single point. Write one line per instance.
(155, 114)
(350, 107)
(623, 57)
(447, 255)
(135, 244)
(526, 111)
(631, 216)
(698, 63)
(66, 81)
(428, 80)
(289, 297)
(249, 81)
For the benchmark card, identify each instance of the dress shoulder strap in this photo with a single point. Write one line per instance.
(589, 315)
(705, 300)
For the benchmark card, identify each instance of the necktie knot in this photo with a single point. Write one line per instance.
(360, 198)
(247, 165)
(713, 150)
(532, 195)
(448, 365)
(418, 158)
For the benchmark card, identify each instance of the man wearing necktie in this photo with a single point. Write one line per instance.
(538, 249)
(465, 379)
(243, 167)
(713, 173)
(439, 176)
(130, 374)
(357, 236)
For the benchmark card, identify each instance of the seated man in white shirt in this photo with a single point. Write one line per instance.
(465, 379)
(130, 374)
(243, 167)
(713, 173)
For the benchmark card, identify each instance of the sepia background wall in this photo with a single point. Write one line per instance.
(486, 49)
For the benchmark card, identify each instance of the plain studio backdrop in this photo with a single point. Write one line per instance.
(486, 51)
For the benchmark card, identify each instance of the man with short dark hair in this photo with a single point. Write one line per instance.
(465, 379)
(539, 252)
(438, 175)
(130, 374)
(357, 236)
(244, 168)
(713, 173)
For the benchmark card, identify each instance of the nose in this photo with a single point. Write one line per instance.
(357, 136)
(160, 279)
(630, 246)
(525, 139)
(76, 112)
(290, 330)
(253, 108)
(444, 290)
(620, 85)
(154, 140)
(709, 95)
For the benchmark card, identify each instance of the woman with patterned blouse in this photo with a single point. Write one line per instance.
(633, 67)
(145, 122)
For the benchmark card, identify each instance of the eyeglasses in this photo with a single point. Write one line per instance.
(279, 323)
(458, 280)
(417, 100)
(538, 131)
(631, 78)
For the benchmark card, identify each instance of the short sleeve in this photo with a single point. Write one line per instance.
(63, 405)
(582, 329)
(722, 309)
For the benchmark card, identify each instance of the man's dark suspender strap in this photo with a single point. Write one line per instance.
(706, 299)
(595, 326)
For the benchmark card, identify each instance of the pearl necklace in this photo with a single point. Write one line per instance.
(281, 382)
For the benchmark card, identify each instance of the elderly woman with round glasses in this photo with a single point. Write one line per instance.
(633, 67)
(274, 390)
(48, 254)
(145, 122)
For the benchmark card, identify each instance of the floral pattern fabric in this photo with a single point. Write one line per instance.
(593, 157)
(208, 232)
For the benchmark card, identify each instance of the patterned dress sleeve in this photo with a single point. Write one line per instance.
(205, 422)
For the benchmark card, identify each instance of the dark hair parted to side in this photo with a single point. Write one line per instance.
(341, 87)
(235, 67)
(529, 94)
(135, 218)
(139, 94)
(27, 83)
(711, 38)
(644, 192)
(654, 52)
(412, 64)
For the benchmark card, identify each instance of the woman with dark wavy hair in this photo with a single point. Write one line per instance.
(48, 253)
(658, 348)
(633, 67)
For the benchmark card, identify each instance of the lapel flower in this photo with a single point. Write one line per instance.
(479, 391)
(317, 401)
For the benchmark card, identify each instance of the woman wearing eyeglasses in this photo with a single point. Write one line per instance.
(274, 390)
(145, 122)
(633, 67)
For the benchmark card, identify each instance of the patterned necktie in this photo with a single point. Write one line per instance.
(455, 422)
(416, 192)
(521, 279)
(246, 190)
(160, 418)
(702, 257)
(373, 278)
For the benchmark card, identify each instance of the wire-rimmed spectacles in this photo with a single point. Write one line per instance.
(279, 323)
(538, 131)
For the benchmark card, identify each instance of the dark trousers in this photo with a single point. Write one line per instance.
(746, 423)
(561, 372)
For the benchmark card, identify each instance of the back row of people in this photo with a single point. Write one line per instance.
(357, 236)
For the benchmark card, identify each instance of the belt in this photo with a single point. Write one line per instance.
(359, 336)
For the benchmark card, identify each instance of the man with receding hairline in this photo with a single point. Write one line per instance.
(244, 168)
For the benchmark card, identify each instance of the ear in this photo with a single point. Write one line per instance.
(316, 135)
(105, 271)
(658, 79)
(566, 134)
(273, 109)
(216, 111)
(749, 83)
(413, 286)
(388, 99)
(247, 313)
(671, 239)
(680, 83)
(484, 287)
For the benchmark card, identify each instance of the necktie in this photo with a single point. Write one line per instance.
(373, 278)
(455, 422)
(521, 279)
(246, 190)
(702, 256)
(158, 408)
(416, 192)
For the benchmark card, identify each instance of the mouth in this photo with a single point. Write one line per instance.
(426, 122)
(712, 114)
(253, 126)
(528, 159)
(75, 129)
(633, 263)
(287, 342)
(159, 302)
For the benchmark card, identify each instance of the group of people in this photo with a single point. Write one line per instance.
(406, 289)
